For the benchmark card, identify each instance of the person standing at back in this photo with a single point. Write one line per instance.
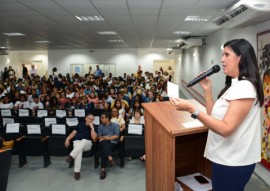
(98, 72)
(24, 71)
(234, 137)
(33, 70)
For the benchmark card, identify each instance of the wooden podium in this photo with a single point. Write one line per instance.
(171, 149)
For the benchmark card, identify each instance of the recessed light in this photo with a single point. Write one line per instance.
(90, 18)
(14, 34)
(114, 41)
(197, 18)
(181, 32)
(42, 41)
(107, 33)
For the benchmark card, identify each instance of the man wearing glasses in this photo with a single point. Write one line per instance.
(108, 134)
(83, 137)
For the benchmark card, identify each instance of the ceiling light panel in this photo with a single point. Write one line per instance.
(115, 41)
(107, 33)
(90, 18)
(14, 34)
(197, 18)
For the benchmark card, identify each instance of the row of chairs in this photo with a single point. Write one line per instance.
(45, 113)
(38, 140)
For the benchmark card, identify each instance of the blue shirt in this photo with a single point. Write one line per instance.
(98, 72)
(110, 130)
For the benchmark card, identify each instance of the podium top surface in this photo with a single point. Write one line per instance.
(172, 119)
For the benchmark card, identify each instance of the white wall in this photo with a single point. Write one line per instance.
(16, 58)
(127, 61)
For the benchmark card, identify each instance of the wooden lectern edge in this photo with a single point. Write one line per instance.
(165, 111)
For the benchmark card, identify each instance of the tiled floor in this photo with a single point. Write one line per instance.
(58, 177)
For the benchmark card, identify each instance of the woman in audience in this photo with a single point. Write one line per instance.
(62, 101)
(92, 98)
(138, 117)
(121, 108)
(116, 118)
(137, 106)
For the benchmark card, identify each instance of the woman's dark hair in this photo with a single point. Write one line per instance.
(228, 82)
(248, 66)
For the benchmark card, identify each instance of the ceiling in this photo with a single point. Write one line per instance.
(139, 23)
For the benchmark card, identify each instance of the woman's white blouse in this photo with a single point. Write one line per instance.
(243, 147)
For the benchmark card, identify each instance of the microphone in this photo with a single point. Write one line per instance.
(209, 72)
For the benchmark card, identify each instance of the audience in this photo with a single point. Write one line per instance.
(121, 97)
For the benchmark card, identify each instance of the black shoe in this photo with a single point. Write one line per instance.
(102, 175)
(77, 176)
(69, 159)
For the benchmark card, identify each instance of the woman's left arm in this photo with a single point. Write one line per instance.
(236, 113)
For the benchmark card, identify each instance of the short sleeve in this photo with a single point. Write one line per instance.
(243, 89)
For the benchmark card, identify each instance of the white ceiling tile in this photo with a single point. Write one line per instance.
(144, 12)
(110, 4)
(75, 5)
(12, 7)
(141, 23)
(42, 5)
(144, 4)
(181, 4)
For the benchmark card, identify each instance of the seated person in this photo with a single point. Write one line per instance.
(22, 103)
(83, 137)
(7, 104)
(138, 117)
(36, 104)
(116, 118)
(108, 134)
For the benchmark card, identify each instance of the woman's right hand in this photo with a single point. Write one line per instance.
(206, 84)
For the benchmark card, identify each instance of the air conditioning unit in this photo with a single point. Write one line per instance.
(237, 14)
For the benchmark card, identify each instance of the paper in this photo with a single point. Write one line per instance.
(193, 124)
(6, 113)
(42, 113)
(61, 113)
(79, 112)
(13, 128)
(72, 121)
(49, 121)
(173, 90)
(59, 129)
(33, 129)
(7, 120)
(135, 129)
(192, 183)
(23, 112)
(96, 120)
(177, 187)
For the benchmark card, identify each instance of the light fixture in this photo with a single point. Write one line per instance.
(114, 41)
(181, 32)
(179, 40)
(90, 18)
(107, 33)
(14, 34)
(197, 18)
(42, 41)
